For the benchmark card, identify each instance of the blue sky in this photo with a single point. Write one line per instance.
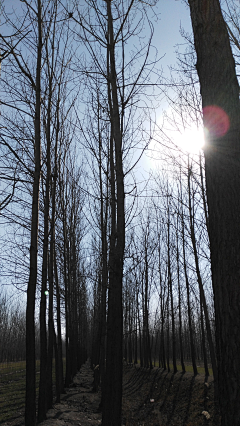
(173, 14)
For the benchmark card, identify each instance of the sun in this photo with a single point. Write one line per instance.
(190, 140)
(186, 141)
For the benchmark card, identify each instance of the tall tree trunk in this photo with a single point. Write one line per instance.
(104, 260)
(48, 383)
(49, 389)
(180, 304)
(199, 278)
(162, 340)
(147, 342)
(220, 88)
(57, 375)
(140, 334)
(59, 331)
(163, 355)
(30, 401)
(204, 199)
(192, 345)
(171, 298)
(135, 331)
(66, 297)
(130, 353)
(51, 269)
(144, 334)
(168, 336)
(203, 339)
(112, 401)
(42, 404)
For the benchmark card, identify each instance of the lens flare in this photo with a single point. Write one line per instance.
(216, 121)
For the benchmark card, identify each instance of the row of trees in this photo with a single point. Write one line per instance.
(167, 277)
(12, 332)
(47, 200)
(115, 275)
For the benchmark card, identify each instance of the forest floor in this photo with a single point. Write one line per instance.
(150, 398)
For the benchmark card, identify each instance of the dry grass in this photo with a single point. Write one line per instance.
(188, 367)
(12, 389)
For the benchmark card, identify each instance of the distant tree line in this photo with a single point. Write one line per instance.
(12, 331)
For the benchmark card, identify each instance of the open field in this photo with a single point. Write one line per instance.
(12, 390)
(188, 367)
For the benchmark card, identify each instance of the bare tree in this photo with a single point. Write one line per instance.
(220, 100)
(104, 29)
(170, 285)
(203, 304)
(30, 402)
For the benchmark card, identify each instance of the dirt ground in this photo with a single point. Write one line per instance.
(150, 398)
(158, 398)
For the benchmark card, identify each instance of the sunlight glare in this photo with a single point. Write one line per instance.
(190, 140)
